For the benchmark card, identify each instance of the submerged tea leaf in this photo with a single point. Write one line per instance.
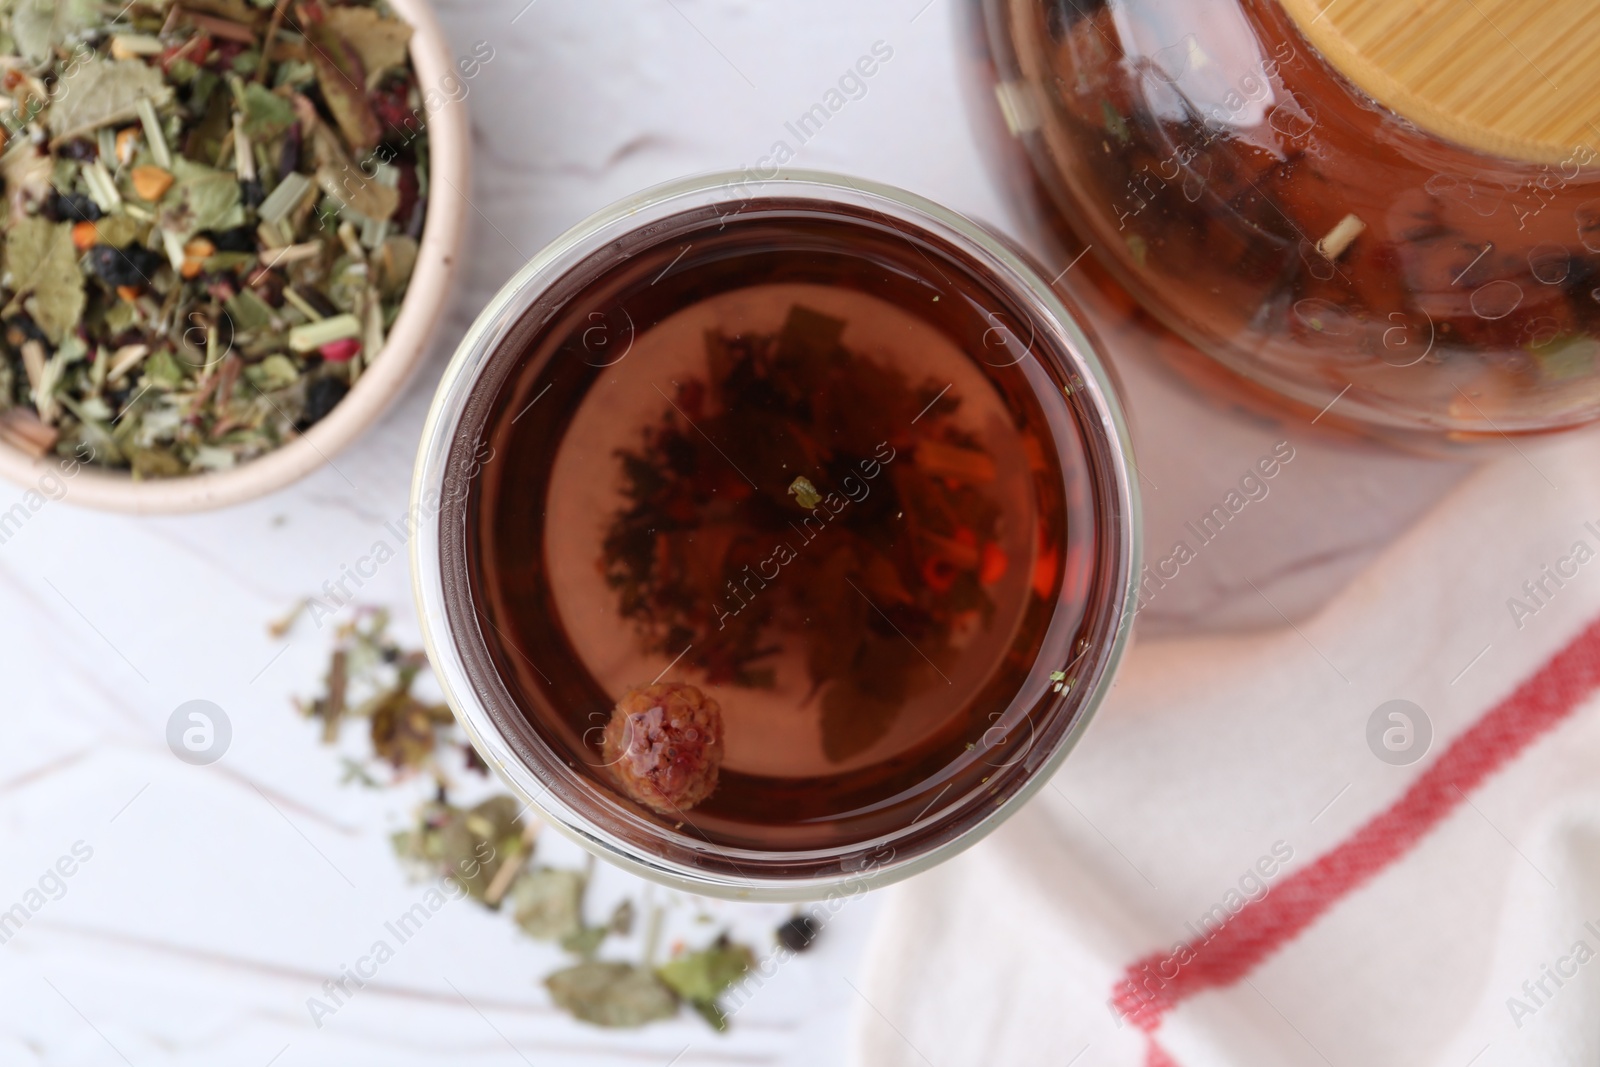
(889, 569)
(804, 493)
(853, 721)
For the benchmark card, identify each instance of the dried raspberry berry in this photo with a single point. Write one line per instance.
(664, 745)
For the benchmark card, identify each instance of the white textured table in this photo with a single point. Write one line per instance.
(218, 899)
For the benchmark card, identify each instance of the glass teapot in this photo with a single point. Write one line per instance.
(1387, 211)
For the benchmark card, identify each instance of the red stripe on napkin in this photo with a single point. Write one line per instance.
(1158, 1057)
(1264, 925)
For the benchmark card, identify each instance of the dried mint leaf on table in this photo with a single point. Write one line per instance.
(611, 994)
(404, 729)
(548, 902)
(467, 845)
(487, 849)
(478, 843)
(701, 977)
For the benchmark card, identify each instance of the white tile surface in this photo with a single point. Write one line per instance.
(219, 899)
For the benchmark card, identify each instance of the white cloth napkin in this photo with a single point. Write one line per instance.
(1298, 899)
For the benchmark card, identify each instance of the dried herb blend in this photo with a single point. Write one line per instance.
(873, 556)
(489, 849)
(212, 213)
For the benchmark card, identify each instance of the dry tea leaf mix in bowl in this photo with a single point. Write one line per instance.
(213, 213)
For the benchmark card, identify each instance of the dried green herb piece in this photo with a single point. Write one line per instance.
(393, 263)
(27, 173)
(701, 977)
(421, 849)
(266, 114)
(41, 26)
(475, 844)
(42, 267)
(202, 198)
(289, 194)
(101, 92)
(341, 77)
(404, 729)
(249, 313)
(548, 902)
(162, 172)
(487, 848)
(380, 42)
(119, 231)
(585, 941)
(467, 845)
(611, 994)
(352, 190)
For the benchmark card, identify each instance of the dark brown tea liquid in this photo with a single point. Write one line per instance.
(813, 468)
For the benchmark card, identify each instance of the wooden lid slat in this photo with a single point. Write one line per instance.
(1516, 78)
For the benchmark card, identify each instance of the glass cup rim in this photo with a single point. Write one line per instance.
(1004, 266)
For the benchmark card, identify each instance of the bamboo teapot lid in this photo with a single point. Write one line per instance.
(1513, 78)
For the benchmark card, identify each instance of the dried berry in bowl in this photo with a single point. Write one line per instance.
(212, 216)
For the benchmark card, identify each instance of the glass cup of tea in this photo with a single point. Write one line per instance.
(776, 535)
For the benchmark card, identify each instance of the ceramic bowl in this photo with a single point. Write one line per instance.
(380, 384)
